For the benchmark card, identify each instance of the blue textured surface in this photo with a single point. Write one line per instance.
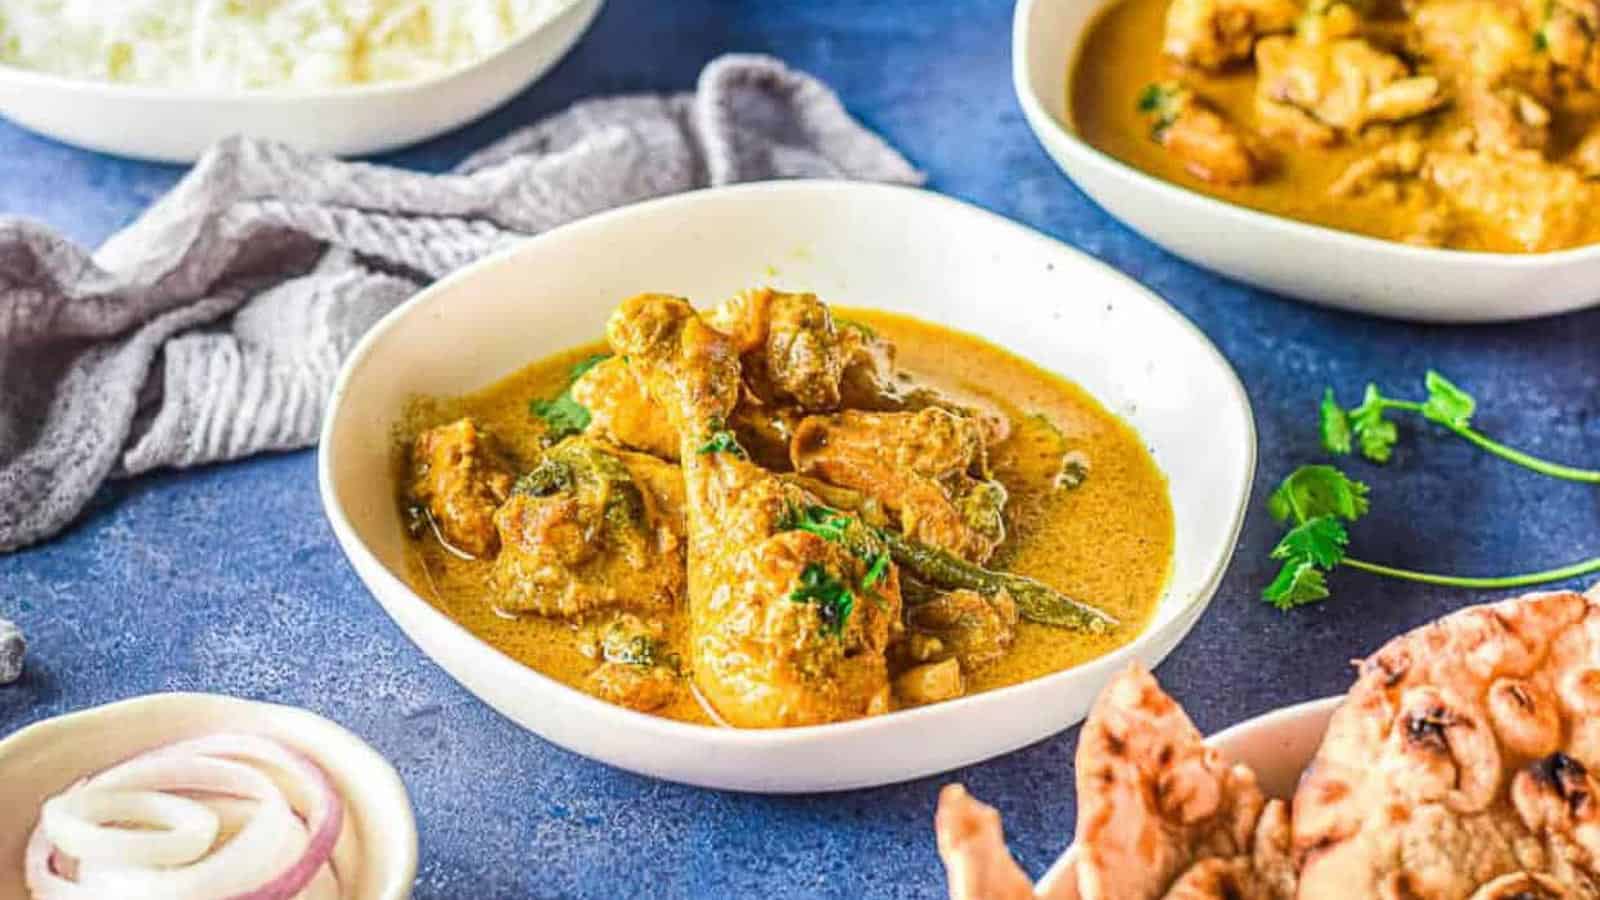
(227, 578)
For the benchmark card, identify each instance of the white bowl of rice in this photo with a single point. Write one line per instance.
(165, 79)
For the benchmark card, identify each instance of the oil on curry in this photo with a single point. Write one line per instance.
(767, 514)
(1467, 124)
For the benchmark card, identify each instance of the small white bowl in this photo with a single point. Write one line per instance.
(177, 125)
(45, 758)
(1278, 745)
(1317, 264)
(899, 249)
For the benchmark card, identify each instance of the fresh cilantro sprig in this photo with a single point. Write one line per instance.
(1317, 502)
(562, 415)
(1446, 405)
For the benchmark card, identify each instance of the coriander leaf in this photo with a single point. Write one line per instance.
(582, 367)
(562, 416)
(1335, 425)
(1313, 491)
(721, 441)
(1447, 404)
(1376, 434)
(875, 573)
(1321, 540)
(833, 600)
(1163, 101)
(825, 523)
(1299, 582)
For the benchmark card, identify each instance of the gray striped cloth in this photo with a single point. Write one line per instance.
(212, 328)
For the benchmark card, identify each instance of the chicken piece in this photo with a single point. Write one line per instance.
(1396, 162)
(1198, 135)
(1507, 120)
(1565, 36)
(966, 625)
(927, 469)
(636, 670)
(930, 683)
(621, 412)
(785, 627)
(460, 479)
(1212, 33)
(591, 528)
(1537, 205)
(1313, 93)
(1586, 156)
(1485, 42)
(791, 350)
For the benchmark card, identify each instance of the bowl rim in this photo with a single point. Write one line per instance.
(400, 857)
(1043, 123)
(24, 77)
(365, 561)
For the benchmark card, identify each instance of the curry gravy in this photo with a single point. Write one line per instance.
(1108, 540)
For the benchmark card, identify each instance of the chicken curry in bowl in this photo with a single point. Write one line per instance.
(768, 514)
(1465, 124)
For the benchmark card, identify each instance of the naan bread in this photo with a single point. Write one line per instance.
(973, 847)
(1459, 767)
(1162, 815)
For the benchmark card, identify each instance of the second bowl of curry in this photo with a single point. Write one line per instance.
(1434, 161)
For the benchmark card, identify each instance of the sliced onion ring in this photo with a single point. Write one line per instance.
(287, 835)
(181, 830)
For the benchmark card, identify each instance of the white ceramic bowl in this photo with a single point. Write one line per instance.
(1313, 263)
(43, 759)
(172, 125)
(898, 249)
(1278, 746)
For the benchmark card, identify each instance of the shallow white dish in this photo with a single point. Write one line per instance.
(41, 760)
(1313, 263)
(171, 125)
(898, 249)
(1278, 745)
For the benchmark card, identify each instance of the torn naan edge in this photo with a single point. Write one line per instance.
(1161, 815)
(973, 846)
(1462, 764)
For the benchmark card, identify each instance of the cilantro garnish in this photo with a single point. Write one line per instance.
(1317, 501)
(1446, 405)
(833, 600)
(562, 415)
(1163, 102)
(721, 441)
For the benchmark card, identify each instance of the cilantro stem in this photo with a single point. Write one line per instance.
(1507, 581)
(1543, 467)
(1511, 454)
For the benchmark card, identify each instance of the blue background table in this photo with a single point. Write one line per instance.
(227, 578)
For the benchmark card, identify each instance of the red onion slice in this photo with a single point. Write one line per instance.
(284, 834)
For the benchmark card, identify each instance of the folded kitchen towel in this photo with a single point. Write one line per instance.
(213, 327)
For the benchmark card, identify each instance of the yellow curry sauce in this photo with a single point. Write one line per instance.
(1123, 56)
(1109, 540)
